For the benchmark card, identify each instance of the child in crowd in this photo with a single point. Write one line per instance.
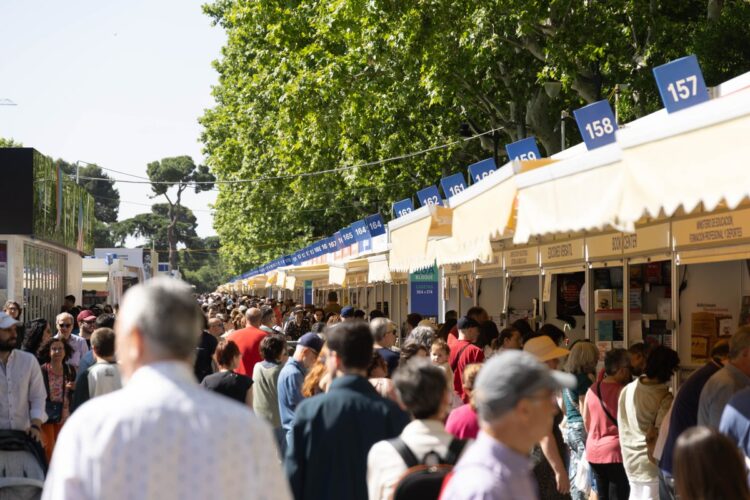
(439, 354)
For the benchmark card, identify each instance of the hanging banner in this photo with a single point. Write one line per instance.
(525, 149)
(482, 169)
(452, 185)
(403, 207)
(308, 297)
(423, 292)
(429, 196)
(681, 83)
(597, 124)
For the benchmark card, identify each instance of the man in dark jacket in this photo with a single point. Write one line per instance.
(332, 433)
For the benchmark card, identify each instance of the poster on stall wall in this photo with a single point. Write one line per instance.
(423, 292)
(709, 324)
(569, 288)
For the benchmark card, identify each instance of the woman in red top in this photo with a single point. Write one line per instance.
(600, 420)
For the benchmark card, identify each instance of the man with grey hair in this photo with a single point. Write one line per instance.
(723, 384)
(65, 323)
(515, 399)
(384, 335)
(158, 435)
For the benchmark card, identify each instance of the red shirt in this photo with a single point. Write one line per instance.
(462, 422)
(603, 440)
(469, 355)
(452, 336)
(248, 340)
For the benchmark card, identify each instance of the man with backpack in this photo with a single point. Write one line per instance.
(515, 399)
(413, 465)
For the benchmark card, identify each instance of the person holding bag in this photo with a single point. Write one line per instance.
(59, 380)
(600, 420)
(641, 408)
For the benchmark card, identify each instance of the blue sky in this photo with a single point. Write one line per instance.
(118, 83)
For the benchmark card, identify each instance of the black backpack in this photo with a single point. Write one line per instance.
(424, 480)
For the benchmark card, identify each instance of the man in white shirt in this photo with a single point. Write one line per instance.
(158, 436)
(64, 323)
(21, 404)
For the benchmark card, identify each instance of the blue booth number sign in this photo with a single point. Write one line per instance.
(681, 83)
(403, 207)
(481, 169)
(597, 124)
(452, 185)
(429, 196)
(525, 149)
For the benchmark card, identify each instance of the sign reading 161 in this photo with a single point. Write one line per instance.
(681, 83)
(597, 124)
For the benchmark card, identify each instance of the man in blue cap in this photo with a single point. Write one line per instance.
(347, 313)
(292, 376)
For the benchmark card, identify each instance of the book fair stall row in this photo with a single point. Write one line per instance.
(641, 233)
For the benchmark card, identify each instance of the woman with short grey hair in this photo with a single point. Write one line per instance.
(422, 335)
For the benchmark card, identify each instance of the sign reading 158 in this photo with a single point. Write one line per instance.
(597, 124)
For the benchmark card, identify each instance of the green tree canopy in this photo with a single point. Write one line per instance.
(180, 173)
(154, 228)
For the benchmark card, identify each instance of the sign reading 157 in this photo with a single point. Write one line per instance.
(681, 83)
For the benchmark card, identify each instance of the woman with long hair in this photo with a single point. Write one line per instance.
(708, 466)
(582, 363)
(59, 380)
(37, 334)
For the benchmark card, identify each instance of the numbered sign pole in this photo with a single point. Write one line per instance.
(429, 196)
(403, 207)
(452, 185)
(681, 83)
(597, 124)
(525, 149)
(481, 169)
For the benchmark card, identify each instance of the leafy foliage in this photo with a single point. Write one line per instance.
(180, 173)
(154, 228)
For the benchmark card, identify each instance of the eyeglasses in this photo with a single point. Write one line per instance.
(65, 325)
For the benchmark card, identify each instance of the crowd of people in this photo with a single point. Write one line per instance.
(235, 396)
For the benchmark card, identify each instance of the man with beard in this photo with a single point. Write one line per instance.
(22, 404)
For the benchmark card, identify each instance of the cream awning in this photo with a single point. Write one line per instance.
(579, 193)
(290, 282)
(409, 235)
(378, 271)
(308, 272)
(691, 157)
(281, 278)
(337, 276)
(97, 283)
